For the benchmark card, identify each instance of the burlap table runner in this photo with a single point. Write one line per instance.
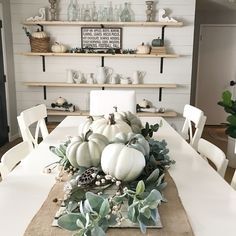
(173, 217)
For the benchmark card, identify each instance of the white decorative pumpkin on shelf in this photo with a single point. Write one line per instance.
(58, 48)
(60, 101)
(86, 150)
(110, 127)
(39, 34)
(143, 49)
(122, 162)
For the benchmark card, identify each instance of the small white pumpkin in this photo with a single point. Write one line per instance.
(39, 34)
(86, 151)
(145, 103)
(133, 140)
(131, 119)
(58, 48)
(110, 127)
(122, 162)
(143, 49)
(85, 126)
(60, 101)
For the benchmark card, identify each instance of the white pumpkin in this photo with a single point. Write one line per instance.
(133, 140)
(39, 34)
(122, 162)
(60, 101)
(145, 103)
(58, 48)
(110, 127)
(143, 49)
(86, 151)
(131, 119)
(85, 126)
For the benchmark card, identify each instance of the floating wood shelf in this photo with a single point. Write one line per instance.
(52, 112)
(103, 23)
(52, 54)
(57, 84)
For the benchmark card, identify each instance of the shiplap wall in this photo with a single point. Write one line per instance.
(179, 40)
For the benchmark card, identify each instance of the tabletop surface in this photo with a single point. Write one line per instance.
(209, 201)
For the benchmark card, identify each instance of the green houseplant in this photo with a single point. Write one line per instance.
(230, 107)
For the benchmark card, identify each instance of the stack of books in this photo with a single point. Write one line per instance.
(158, 50)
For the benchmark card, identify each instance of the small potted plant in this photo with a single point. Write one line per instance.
(230, 107)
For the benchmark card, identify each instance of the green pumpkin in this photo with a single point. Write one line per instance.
(157, 42)
(131, 119)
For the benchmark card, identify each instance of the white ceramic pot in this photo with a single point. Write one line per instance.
(231, 155)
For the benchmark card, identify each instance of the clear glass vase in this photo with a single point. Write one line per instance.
(72, 10)
(125, 15)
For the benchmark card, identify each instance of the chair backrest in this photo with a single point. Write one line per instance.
(195, 116)
(214, 154)
(233, 181)
(103, 101)
(34, 115)
(13, 156)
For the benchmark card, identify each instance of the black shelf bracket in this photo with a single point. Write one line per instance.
(103, 88)
(41, 27)
(102, 61)
(163, 32)
(44, 92)
(43, 63)
(160, 94)
(161, 65)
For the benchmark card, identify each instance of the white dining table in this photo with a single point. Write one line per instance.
(209, 201)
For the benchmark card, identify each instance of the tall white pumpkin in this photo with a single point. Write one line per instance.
(110, 127)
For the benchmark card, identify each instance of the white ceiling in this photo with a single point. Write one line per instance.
(226, 5)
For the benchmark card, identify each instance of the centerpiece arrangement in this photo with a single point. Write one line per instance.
(116, 174)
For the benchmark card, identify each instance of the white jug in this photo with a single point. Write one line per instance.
(114, 79)
(70, 76)
(104, 74)
(138, 77)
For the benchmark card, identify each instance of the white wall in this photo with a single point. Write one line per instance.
(178, 40)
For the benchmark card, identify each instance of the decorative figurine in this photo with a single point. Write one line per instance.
(41, 16)
(163, 18)
(149, 11)
(61, 104)
(52, 10)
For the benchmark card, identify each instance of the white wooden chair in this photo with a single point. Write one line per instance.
(13, 156)
(233, 181)
(35, 115)
(193, 116)
(103, 101)
(211, 152)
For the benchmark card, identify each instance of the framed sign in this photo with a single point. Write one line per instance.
(101, 38)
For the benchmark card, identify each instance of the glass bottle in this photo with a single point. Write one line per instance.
(82, 12)
(100, 13)
(110, 12)
(94, 13)
(125, 15)
(87, 16)
(78, 17)
(116, 14)
(70, 11)
(104, 14)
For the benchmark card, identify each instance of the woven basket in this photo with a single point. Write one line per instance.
(39, 44)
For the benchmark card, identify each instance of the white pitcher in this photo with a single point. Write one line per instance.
(138, 77)
(70, 76)
(104, 74)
